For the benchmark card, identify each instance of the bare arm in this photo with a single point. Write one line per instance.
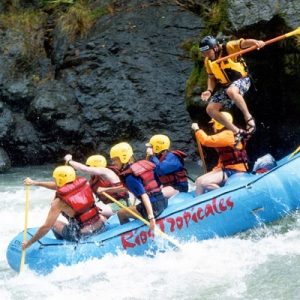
(116, 189)
(146, 201)
(53, 214)
(46, 184)
(85, 169)
(107, 173)
(251, 42)
(211, 84)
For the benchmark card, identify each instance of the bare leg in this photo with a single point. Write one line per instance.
(124, 215)
(213, 110)
(210, 181)
(234, 94)
(58, 227)
(169, 191)
(106, 210)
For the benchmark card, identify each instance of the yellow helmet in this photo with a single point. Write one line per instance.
(219, 126)
(160, 142)
(123, 151)
(64, 175)
(96, 161)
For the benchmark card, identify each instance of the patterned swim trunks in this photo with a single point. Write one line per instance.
(221, 96)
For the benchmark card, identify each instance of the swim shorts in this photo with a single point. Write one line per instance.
(220, 96)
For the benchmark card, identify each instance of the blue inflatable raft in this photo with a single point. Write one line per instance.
(246, 201)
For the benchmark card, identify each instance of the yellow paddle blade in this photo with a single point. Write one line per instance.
(294, 32)
(295, 152)
(25, 226)
(22, 261)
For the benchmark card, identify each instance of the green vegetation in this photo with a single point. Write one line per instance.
(27, 28)
(27, 23)
(59, 2)
(197, 78)
(216, 18)
(77, 20)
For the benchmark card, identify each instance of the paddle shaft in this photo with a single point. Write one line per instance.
(190, 178)
(201, 156)
(137, 216)
(268, 42)
(25, 227)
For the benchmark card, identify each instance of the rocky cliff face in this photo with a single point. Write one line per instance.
(126, 81)
(243, 13)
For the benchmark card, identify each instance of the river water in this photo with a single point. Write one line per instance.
(263, 263)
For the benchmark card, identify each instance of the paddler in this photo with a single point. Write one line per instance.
(232, 158)
(74, 199)
(103, 179)
(169, 165)
(140, 179)
(228, 81)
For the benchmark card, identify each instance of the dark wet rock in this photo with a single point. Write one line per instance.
(59, 47)
(121, 77)
(5, 163)
(54, 109)
(6, 122)
(18, 92)
(247, 13)
(27, 140)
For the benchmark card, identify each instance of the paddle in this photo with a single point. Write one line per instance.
(25, 226)
(161, 233)
(201, 156)
(276, 39)
(295, 152)
(191, 178)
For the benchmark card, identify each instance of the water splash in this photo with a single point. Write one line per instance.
(259, 264)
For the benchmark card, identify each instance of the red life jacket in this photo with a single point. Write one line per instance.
(99, 181)
(79, 196)
(114, 169)
(232, 156)
(178, 176)
(145, 170)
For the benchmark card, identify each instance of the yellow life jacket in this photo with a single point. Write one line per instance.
(228, 70)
